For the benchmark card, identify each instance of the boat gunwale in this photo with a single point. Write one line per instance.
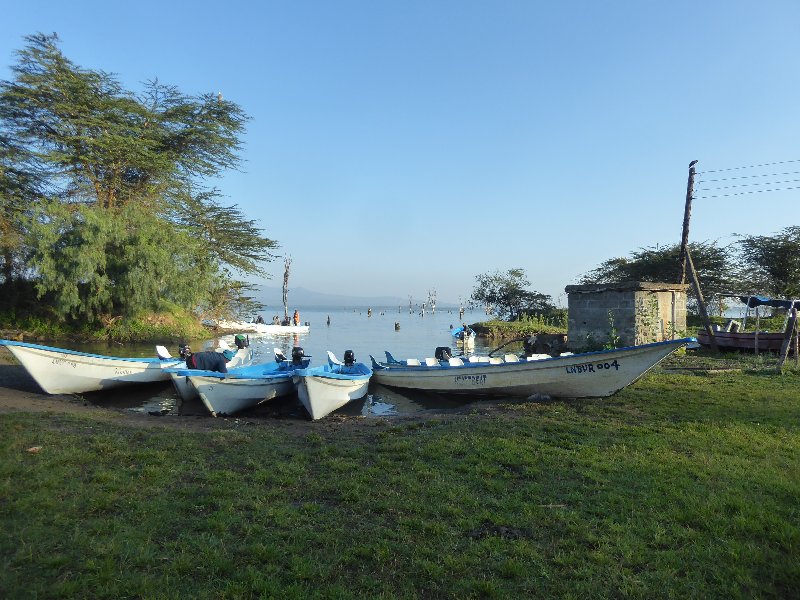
(53, 349)
(444, 366)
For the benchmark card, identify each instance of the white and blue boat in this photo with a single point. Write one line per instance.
(324, 389)
(62, 371)
(586, 375)
(245, 387)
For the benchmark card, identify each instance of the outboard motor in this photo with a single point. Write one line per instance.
(184, 351)
(297, 355)
(349, 358)
(443, 353)
(241, 341)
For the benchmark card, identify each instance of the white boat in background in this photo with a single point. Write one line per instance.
(245, 387)
(587, 375)
(324, 389)
(62, 371)
(464, 337)
(260, 328)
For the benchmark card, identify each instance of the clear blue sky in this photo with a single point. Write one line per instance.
(400, 146)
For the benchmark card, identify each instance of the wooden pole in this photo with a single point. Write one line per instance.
(687, 213)
(701, 305)
(787, 338)
(755, 337)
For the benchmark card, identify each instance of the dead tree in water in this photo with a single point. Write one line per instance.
(287, 262)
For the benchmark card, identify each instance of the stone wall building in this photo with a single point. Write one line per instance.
(635, 312)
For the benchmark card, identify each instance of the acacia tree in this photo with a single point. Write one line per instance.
(771, 264)
(506, 294)
(98, 146)
(714, 265)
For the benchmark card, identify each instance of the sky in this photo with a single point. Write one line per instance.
(399, 147)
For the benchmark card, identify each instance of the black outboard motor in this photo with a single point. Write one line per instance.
(241, 341)
(297, 355)
(349, 358)
(443, 353)
(184, 350)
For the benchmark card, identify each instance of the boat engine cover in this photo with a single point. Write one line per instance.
(297, 355)
(443, 353)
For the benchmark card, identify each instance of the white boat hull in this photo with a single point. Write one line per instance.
(321, 395)
(589, 375)
(229, 396)
(60, 371)
(262, 328)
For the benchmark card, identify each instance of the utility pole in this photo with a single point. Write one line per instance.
(687, 213)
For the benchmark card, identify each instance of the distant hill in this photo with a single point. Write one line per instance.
(301, 297)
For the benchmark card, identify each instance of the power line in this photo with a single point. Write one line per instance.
(727, 187)
(752, 176)
(781, 162)
(748, 192)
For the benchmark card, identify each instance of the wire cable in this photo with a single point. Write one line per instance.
(781, 162)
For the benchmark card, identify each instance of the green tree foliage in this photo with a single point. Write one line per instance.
(506, 294)
(134, 222)
(714, 265)
(771, 264)
(95, 261)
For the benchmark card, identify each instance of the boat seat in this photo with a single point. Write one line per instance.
(431, 362)
(162, 352)
(539, 356)
(566, 354)
(412, 362)
(511, 358)
(474, 359)
(483, 359)
(495, 360)
(456, 362)
(332, 358)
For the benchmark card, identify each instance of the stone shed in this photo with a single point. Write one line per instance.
(637, 312)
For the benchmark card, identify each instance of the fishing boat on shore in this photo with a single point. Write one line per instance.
(324, 389)
(586, 375)
(63, 371)
(246, 387)
(183, 387)
(735, 339)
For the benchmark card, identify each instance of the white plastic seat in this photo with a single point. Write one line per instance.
(456, 362)
(162, 352)
(474, 359)
(431, 362)
(511, 358)
(412, 362)
(484, 359)
(494, 360)
(566, 354)
(539, 356)
(332, 358)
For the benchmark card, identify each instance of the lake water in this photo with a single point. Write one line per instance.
(350, 329)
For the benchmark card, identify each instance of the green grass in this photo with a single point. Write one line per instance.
(682, 486)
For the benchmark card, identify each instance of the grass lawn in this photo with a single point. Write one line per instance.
(686, 485)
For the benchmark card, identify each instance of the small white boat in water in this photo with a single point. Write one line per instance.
(464, 337)
(245, 387)
(62, 371)
(260, 328)
(324, 389)
(587, 375)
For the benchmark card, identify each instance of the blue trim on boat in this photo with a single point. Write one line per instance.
(78, 353)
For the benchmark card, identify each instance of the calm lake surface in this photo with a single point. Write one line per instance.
(350, 329)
